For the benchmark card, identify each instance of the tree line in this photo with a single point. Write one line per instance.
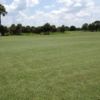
(93, 27)
(45, 29)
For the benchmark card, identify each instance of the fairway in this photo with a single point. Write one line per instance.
(50, 67)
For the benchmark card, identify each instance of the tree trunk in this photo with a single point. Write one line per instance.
(0, 25)
(0, 19)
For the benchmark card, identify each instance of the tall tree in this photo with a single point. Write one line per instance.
(19, 29)
(3, 30)
(12, 29)
(97, 25)
(91, 27)
(61, 29)
(85, 27)
(72, 28)
(46, 28)
(3, 12)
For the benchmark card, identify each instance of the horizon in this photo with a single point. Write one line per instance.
(56, 12)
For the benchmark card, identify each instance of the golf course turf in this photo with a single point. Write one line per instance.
(50, 67)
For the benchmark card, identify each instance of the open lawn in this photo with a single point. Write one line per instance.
(54, 67)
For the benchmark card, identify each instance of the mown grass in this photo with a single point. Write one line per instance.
(55, 67)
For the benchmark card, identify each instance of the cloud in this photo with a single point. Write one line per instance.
(77, 3)
(66, 12)
(31, 3)
(15, 6)
(2, 1)
(18, 5)
(49, 6)
(66, 2)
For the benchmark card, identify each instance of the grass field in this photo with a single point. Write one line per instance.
(55, 67)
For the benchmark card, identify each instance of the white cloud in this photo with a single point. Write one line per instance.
(49, 6)
(77, 5)
(68, 12)
(31, 3)
(66, 2)
(18, 5)
(2, 1)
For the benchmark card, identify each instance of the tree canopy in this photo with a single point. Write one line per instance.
(3, 11)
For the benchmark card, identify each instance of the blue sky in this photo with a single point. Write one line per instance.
(58, 12)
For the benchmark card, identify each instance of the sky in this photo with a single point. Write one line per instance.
(57, 12)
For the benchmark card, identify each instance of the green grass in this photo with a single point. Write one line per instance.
(55, 67)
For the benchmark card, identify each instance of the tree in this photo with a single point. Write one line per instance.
(33, 29)
(91, 27)
(2, 12)
(53, 28)
(13, 29)
(85, 27)
(66, 28)
(46, 28)
(72, 28)
(27, 29)
(97, 25)
(18, 29)
(62, 29)
(38, 30)
(3, 30)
